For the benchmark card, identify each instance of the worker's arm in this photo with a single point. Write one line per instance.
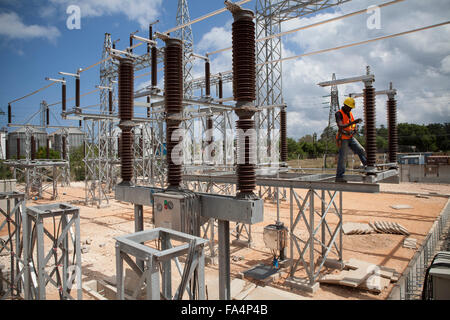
(342, 126)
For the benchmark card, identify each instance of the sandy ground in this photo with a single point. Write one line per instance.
(102, 225)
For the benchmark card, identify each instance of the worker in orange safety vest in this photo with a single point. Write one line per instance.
(345, 137)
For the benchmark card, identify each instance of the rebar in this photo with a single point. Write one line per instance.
(370, 121)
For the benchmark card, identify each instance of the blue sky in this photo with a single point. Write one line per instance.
(35, 43)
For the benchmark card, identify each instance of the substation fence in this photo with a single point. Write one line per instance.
(409, 286)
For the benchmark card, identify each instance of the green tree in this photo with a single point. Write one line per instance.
(77, 167)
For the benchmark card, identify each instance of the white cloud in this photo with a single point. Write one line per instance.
(141, 11)
(445, 64)
(12, 26)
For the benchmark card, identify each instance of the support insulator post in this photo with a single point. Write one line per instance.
(63, 97)
(283, 136)
(370, 125)
(173, 87)
(207, 79)
(244, 92)
(77, 92)
(9, 114)
(392, 129)
(126, 112)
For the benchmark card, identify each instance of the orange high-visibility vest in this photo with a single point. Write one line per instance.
(348, 132)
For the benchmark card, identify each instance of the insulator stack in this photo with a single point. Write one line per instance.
(118, 147)
(18, 148)
(126, 156)
(244, 92)
(141, 146)
(9, 114)
(63, 97)
(207, 79)
(7, 149)
(244, 63)
(392, 129)
(220, 90)
(154, 67)
(126, 111)
(48, 149)
(77, 92)
(370, 127)
(148, 108)
(173, 87)
(80, 123)
(110, 101)
(126, 89)
(283, 136)
(33, 148)
(246, 166)
(47, 114)
(64, 152)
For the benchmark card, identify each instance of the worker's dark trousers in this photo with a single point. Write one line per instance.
(356, 147)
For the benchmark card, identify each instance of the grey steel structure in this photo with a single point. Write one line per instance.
(41, 244)
(13, 244)
(159, 260)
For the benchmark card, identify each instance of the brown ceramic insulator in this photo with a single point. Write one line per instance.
(110, 101)
(173, 95)
(126, 155)
(18, 148)
(370, 125)
(33, 148)
(246, 165)
(126, 89)
(173, 77)
(77, 92)
(283, 136)
(118, 147)
(64, 154)
(392, 130)
(141, 146)
(63, 97)
(7, 149)
(148, 108)
(9, 114)
(47, 114)
(244, 65)
(174, 159)
(207, 79)
(220, 90)
(154, 54)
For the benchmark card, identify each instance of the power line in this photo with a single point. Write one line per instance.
(32, 93)
(278, 35)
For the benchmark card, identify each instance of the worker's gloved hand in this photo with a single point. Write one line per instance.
(358, 121)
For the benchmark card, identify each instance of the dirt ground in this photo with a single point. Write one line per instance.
(101, 225)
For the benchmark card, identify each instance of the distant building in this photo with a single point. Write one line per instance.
(40, 137)
(75, 138)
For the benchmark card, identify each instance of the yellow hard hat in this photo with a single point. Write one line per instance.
(350, 102)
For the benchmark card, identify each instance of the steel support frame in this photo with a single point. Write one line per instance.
(158, 262)
(68, 239)
(320, 240)
(13, 244)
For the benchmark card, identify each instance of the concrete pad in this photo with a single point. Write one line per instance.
(270, 293)
(302, 284)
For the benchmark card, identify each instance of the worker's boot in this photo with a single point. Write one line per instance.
(341, 180)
